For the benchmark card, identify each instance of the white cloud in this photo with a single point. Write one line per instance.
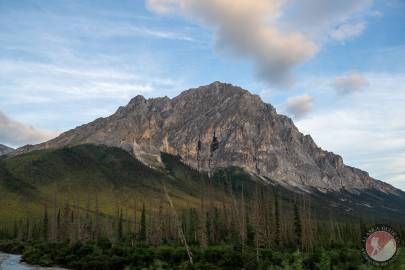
(112, 30)
(318, 18)
(15, 133)
(277, 35)
(299, 106)
(376, 13)
(348, 30)
(165, 6)
(72, 83)
(367, 130)
(247, 28)
(349, 83)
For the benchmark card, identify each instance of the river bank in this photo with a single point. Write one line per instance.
(13, 262)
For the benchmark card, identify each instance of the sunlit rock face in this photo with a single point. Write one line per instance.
(250, 135)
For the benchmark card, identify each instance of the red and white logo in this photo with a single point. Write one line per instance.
(381, 244)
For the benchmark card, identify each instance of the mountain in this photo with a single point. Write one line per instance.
(218, 144)
(219, 126)
(4, 150)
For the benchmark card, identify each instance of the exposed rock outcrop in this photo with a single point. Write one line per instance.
(250, 135)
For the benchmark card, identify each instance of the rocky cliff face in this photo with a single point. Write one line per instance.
(4, 150)
(220, 125)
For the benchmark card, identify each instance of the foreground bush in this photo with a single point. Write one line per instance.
(103, 255)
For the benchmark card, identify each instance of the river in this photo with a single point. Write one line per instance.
(12, 262)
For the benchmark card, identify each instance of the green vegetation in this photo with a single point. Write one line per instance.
(96, 207)
(103, 254)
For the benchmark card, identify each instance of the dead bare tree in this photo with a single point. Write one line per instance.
(178, 225)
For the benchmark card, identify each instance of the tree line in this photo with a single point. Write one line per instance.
(259, 220)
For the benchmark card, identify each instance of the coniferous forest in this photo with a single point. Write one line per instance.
(225, 221)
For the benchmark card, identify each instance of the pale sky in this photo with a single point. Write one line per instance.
(335, 67)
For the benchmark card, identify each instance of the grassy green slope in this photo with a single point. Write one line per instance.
(48, 177)
(78, 174)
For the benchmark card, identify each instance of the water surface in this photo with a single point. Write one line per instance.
(12, 262)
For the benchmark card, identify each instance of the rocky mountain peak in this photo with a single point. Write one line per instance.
(248, 134)
(218, 93)
(4, 149)
(139, 99)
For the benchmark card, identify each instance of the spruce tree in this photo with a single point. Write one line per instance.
(142, 232)
(277, 220)
(214, 144)
(45, 224)
(297, 226)
(120, 225)
(58, 226)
